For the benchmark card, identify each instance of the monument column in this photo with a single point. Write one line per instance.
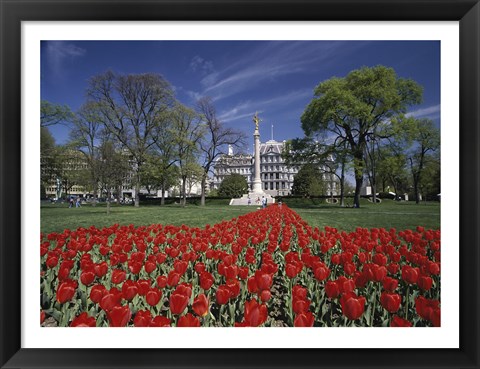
(257, 182)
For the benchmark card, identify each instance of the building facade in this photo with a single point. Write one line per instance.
(277, 178)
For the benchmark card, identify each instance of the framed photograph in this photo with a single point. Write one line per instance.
(343, 285)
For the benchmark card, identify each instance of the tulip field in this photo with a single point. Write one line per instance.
(267, 268)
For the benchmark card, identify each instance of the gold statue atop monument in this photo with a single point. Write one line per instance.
(256, 120)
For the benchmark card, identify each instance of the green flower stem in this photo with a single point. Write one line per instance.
(406, 302)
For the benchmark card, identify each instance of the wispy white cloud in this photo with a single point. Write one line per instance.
(248, 108)
(58, 52)
(429, 112)
(201, 65)
(270, 61)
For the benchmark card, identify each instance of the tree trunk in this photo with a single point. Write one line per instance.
(184, 190)
(417, 192)
(203, 183)
(358, 187)
(342, 186)
(358, 168)
(137, 190)
(95, 195)
(162, 200)
(108, 201)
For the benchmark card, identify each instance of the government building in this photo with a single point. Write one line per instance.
(276, 176)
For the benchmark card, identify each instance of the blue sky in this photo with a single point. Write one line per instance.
(275, 78)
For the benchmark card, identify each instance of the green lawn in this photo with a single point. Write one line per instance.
(388, 214)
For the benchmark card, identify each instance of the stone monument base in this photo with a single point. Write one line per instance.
(253, 199)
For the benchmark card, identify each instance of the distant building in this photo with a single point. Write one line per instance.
(277, 178)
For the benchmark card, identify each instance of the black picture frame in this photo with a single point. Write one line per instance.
(467, 12)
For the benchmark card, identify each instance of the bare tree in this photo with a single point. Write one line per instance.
(86, 136)
(216, 139)
(131, 107)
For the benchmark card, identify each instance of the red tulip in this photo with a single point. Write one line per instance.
(129, 290)
(118, 276)
(97, 292)
(352, 306)
(234, 287)
(150, 267)
(222, 295)
(184, 289)
(265, 295)
(379, 259)
(428, 309)
(144, 286)
(255, 314)
(101, 269)
(393, 268)
(178, 303)
(299, 292)
(206, 281)
(291, 270)
(52, 262)
(153, 297)
(200, 305)
(87, 278)
(304, 320)
(434, 268)
(424, 282)
(119, 316)
(390, 301)
(160, 321)
(161, 281)
(173, 278)
(252, 285)
(42, 316)
(409, 274)
(321, 273)
(390, 284)
(180, 266)
(111, 299)
(264, 280)
(66, 291)
(199, 267)
(188, 320)
(379, 273)
(301, 306)
(83, 320)
(399, 322)
(143, 318)
(331, 289)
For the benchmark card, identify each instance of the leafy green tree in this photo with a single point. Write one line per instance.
(51, 114)
(425, 141)
(113, 168)
(188, 133)
(356, 107)
(164, 152)
(392, 170)
(234, 185)
(331, 160)
(308, 181)
(156, 176)
(48, 157)
(430, 179)
(131, 107)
